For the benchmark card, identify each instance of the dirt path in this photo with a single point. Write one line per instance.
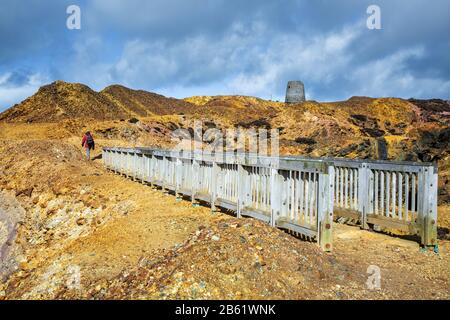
(160, 223)
(406, 271)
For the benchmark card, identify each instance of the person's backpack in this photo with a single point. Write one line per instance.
(90, 141)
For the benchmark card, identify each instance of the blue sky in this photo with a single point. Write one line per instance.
(197, 47)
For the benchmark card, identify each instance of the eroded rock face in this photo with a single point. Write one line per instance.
(11, 215)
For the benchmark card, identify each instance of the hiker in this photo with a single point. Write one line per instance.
(88, 143)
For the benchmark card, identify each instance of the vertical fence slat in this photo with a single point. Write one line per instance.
(352, 195)
(376, 173)
(393, 196)
(356, 178)
(302, 196)
(336, 187)
(388, 192)
(406, 196)
(345, 187)
(341, 186)
(413, 197)
(400, 193)
(325, 208)
(296, 201)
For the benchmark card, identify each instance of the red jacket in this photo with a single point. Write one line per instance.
(84, 142)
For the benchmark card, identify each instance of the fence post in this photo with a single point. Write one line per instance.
(132, 164)
(275, 196)
(325, 208)
(371, 192)
(135, 165)
(124, 165)
(428, 210)
(195, 177)
(154, 162)
(142, 168)
(240, 190)
(126, 170)
(147, 168)
(363, 194)
(246, 189)
(111, 159)
(214, 173)
(178, 177)
(163, 173)
(118, 162)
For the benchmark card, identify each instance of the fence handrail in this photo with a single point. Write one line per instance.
(336, 160)
(232, 158)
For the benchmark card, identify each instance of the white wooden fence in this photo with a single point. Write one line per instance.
(286, 193)
(393, 195)
(294, 193)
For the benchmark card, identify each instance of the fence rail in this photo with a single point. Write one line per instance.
(299, 194)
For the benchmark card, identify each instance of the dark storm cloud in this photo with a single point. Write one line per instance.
(187, 47)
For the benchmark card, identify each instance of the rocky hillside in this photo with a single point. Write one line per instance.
(141, 103)
(61, 100)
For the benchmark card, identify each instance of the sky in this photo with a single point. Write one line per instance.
(182, 48)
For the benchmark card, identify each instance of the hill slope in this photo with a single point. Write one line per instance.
(61, 100)
(142, 103)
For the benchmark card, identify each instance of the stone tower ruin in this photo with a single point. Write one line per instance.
(295, 92)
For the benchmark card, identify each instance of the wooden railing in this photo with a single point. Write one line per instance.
(286, 193)
(391, 195)
(294, 193)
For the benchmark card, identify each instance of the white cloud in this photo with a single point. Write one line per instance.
(11, 93)
(248, 59)
(4, 78)
(88, 64)
(317, 59)
(390, 76)
(142, 60)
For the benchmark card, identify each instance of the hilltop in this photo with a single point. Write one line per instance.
(61, 100)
